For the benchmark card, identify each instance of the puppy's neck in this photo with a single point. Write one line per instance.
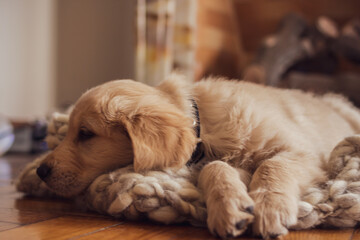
(179, 92)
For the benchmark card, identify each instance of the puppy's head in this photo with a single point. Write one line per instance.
(114, 125)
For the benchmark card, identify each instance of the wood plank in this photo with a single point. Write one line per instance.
(12, 164)
(5, 182)
(6, 226)
(144, 230)
(44, 206)
(59, 228)
(11, 199)
(356, 234)
(8, 189)
(320, 234)
(151, 231)
(24, 217)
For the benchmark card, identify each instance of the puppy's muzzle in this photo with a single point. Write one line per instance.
(43, 171)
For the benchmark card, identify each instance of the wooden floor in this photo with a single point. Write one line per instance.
(34, 218)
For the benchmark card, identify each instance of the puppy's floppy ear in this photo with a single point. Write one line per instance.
(161, 137)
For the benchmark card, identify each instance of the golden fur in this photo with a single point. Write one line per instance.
(265, 145)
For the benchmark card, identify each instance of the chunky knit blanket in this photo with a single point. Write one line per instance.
(172, 196)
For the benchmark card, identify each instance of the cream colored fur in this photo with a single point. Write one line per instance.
(265, 145)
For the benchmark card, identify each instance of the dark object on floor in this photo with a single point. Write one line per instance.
(29, 137)
(6, 135)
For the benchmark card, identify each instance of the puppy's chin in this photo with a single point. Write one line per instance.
(67, 188)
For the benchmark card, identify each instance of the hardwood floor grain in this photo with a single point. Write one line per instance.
(150, 231)
(65, 227)
(23, 217)
(356, 235)
(320, 234)
(6, 226)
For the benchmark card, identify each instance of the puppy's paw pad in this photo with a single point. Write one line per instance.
(241, 225)
(271, 231)
(229, 218)
(228, 229)
(273, 216)
(250, 209)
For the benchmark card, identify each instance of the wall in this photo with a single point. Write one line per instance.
(51, 51)
(95, 44)
(26, 57)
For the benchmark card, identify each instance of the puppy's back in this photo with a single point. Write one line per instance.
(314, 123)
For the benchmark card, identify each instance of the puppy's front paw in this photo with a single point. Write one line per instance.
(229, 216)
(274, 213)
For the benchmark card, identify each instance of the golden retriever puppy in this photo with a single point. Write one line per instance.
(264, 145)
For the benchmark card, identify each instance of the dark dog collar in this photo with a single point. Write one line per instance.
(198, 153)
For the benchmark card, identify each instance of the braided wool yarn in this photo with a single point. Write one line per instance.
(172, 196)
(335, 202)
(164, 196)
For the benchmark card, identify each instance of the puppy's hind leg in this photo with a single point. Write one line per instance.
(230, 209)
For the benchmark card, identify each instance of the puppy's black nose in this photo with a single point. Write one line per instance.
(43, 171)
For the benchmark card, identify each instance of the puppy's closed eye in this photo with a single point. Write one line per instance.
(85, 134)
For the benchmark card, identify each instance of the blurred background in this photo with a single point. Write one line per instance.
(54, 50)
